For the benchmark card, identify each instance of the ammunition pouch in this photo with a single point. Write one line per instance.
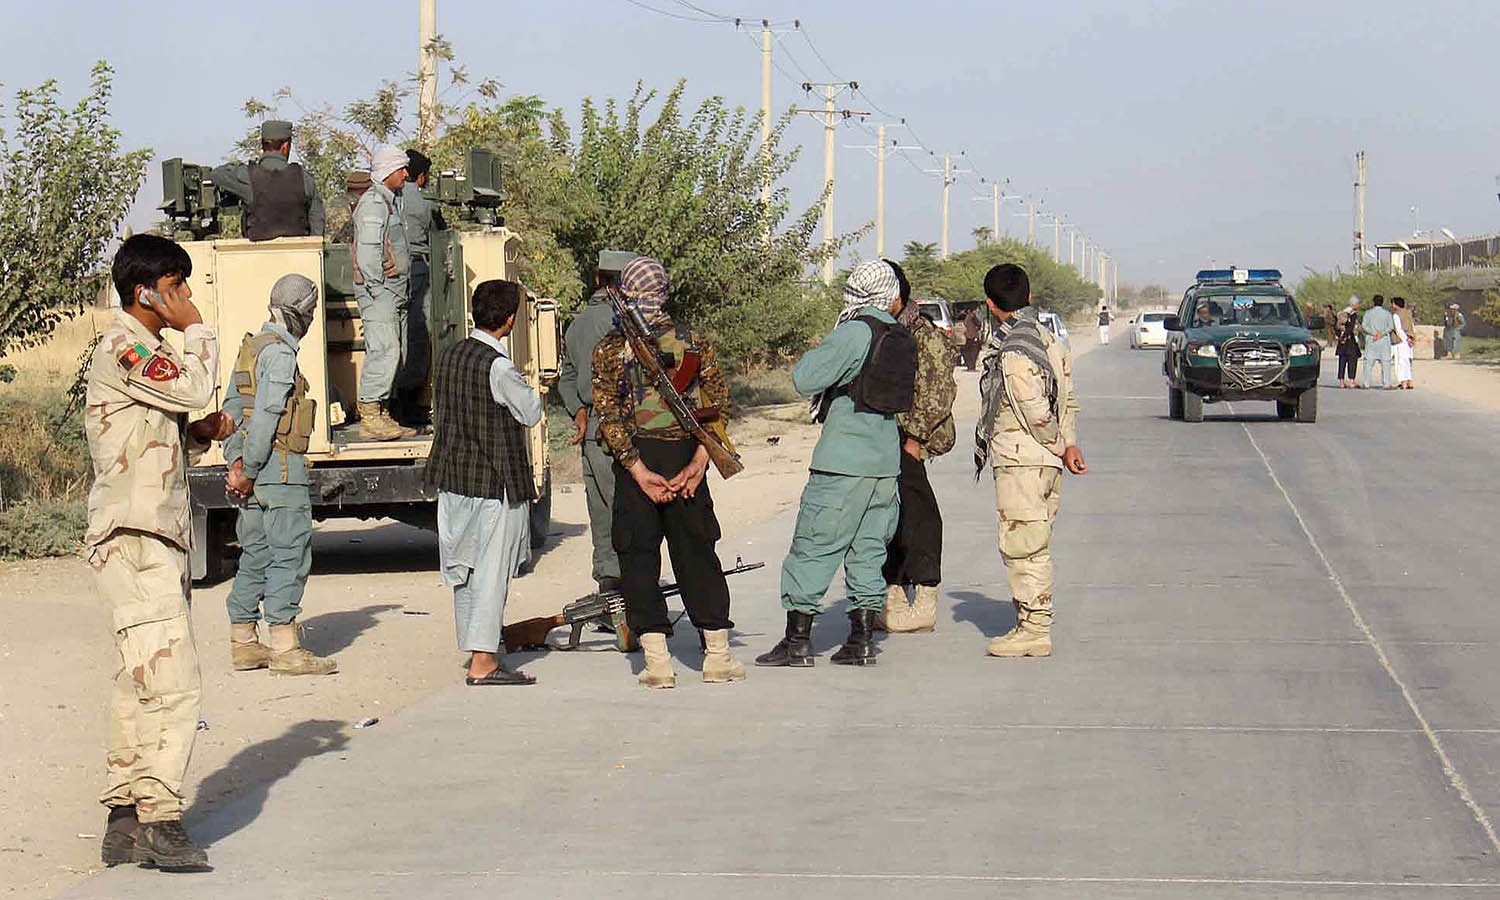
(294, 426)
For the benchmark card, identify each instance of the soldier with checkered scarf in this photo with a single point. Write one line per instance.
(660, 487)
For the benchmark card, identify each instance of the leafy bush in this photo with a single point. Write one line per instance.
(43, 455)
(37, 528)
(1426, 295)
(762, 387)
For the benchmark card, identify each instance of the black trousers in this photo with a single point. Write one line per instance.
(1350, 363)
(915, 554)
(690, 529)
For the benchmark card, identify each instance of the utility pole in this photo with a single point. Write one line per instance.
(995, 189)
(879, 149)
(1359, 210)
(831, 92)
(947, 172)
(1114, 280)
(765, 102)
(427, 72)
(1030, 224)
(1072, 247)
(1057, 226)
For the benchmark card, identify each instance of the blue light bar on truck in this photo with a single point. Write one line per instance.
(1238, 276)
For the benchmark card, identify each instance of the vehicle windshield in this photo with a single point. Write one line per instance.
(933, 312)
(1155, 317)
(1245, 309)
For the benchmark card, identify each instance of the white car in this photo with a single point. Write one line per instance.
(1054, 323)
(1149, 329)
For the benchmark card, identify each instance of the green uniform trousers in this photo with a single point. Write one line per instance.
(846, 519)
(275, 531)
(599, 491)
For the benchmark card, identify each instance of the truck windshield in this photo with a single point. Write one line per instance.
(1245, 309)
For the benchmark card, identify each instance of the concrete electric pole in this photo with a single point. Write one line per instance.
(1030, 224)
(947, 172)
(765, 102)
(1359, 210)
(1057, 227)
(427, 72)
(831, 91)
(880, 148)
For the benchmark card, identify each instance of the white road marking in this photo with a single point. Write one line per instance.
(957, 878)
(1455, 779)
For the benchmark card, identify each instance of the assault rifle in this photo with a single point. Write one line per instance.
(605, 606)
(704, 424)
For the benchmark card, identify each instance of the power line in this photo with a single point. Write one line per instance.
(695, 8)
(674, 15)
(814, 48)
(806, 75)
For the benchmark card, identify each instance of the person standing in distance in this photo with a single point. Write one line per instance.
(1028, 432)
(279, 197)
(140, 391)
(1104, 319)
(382, 262)
(480, 469)
(575, 386)
(268, 473)
(421, 217)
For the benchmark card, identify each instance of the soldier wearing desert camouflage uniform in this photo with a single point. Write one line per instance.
(1028, 431)
(140, 391)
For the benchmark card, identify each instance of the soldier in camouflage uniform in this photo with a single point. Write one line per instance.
(914, 556)
(268, 473)
(660, 487)
(140, 391)
(1028, 430)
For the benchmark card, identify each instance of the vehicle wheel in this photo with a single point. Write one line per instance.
(541, 513)
(1174, 403)
(1286, 409)
(1307, 405)
(1192, 407)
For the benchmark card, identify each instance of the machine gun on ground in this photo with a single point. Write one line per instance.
(607, 607)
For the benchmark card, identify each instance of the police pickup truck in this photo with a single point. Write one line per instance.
(1239, 335)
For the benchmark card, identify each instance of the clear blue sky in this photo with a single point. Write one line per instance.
(1172, 132)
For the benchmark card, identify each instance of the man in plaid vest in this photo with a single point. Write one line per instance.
(479, 466)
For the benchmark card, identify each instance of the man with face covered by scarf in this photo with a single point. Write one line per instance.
(660, 487)
(273, 419)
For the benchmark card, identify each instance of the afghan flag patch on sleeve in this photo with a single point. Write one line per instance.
(133, 355)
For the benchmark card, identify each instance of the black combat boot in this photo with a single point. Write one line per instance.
(119, 836)
(165, 845)
(859, 649)
(796, 648)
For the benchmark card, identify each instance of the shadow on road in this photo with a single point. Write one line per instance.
(329, 633)
(992, 617)
(236, 793)
(389, 547)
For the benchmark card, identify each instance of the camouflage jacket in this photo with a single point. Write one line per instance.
(1027, 433)
(140, 391)
(929, 422)
(624, 399)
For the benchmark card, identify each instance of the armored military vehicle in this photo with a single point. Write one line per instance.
(351, 477)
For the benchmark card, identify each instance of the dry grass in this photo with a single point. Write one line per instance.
(56, 360)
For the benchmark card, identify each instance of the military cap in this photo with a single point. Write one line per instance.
(615, 260)
(275, 130)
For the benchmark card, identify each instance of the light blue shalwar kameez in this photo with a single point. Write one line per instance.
(483, 541)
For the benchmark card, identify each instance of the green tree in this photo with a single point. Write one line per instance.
(1427, 294)
(961, 276)
(65, 185)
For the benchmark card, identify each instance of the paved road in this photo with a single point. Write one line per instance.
(1275, 676)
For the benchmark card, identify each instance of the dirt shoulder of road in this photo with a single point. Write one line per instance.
(1471, 381)
(375, 601)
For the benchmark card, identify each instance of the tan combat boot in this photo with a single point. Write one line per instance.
(718, 665)
(288, 657)
(1032, 635)
(921, 616)
(375, 424)
(897, 610)
(246, 652)
(658, 672)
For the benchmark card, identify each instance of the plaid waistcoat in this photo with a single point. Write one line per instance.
(478, 447)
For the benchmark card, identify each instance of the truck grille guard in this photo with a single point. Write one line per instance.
(1249, 364)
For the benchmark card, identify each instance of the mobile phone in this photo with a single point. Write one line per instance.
(147, 298)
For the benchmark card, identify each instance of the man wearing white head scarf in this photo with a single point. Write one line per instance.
(850, 505)
(273, 419)
(382, 264)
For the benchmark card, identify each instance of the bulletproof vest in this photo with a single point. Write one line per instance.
(387, 251)
(651, 411)
(887, 381)
(295, 426)
(278, 203)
